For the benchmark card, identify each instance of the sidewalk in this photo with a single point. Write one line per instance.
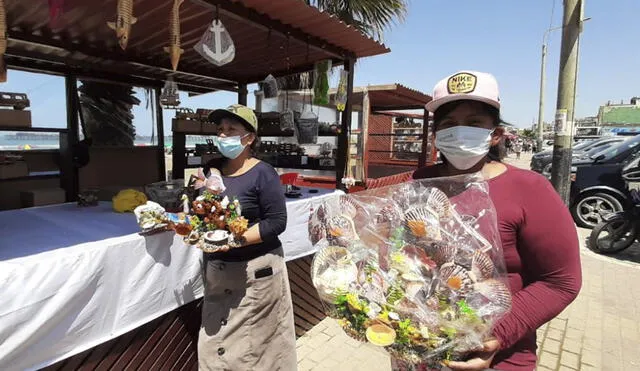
(598, 331)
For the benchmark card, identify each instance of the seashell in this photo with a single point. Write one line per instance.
(438, 202)
(496, 292)
(341, 226)
(423, 223)
(317, 233)
(321, 213)
(442, 253)
(482, 265)
(418, 254)
(332, 270)
(348, 206)
(457, 278)
(381, 335)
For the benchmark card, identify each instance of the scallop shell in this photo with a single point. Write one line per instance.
(443, 253)
(457, 278)
(333, 270)
(348, 206)
(341, 226)
(439, 202)
(482, 265)
(496, 292)
(418, 254)
(423, 222)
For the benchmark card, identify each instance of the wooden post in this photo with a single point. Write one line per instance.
(343, 138)
(179, 155)
(424, 153)
(242, 94)
(69, 172)
(160, 130)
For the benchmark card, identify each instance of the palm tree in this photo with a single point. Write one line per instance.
(106, 109)
(371, 17)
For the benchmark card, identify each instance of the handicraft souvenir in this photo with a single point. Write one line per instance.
(415, 268)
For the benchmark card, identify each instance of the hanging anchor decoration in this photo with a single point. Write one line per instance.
(3, 41)
(124, 20)
(170, 98)
(174, 49)
(216, 44)
(55, 12)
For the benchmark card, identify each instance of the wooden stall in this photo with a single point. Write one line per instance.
(80, 46)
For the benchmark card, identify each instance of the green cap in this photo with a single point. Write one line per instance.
(239, 112)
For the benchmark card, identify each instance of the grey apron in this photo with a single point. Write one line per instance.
(247, 322)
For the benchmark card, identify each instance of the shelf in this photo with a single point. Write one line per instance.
(35, 130)
(35, 175)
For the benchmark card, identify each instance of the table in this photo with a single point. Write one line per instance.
(73, 278)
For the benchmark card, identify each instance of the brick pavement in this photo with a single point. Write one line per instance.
(598, 331)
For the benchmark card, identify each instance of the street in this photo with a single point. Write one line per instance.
(598, 331)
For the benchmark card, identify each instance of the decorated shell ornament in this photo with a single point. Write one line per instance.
(333, 270)
(457, 278)
(439, 203)
(495, 292)
(423, 223)
(482, 265)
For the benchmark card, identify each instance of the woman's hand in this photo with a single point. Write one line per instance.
(480, 360)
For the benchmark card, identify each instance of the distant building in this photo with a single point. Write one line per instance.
(620, 119)
(586, 127)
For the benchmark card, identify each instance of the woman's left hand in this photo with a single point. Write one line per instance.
(480, 360)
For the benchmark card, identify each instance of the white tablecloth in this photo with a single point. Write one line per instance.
(73, 278)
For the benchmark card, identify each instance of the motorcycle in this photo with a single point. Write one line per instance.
(618, 231)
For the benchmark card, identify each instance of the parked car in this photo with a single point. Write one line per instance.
(597, 187)
(541, 161)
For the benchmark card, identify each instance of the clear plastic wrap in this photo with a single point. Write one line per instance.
(416, 267)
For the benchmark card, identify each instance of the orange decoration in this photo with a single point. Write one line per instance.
(455, 282)
(418, 228)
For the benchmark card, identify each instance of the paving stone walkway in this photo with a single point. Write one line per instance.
(598, 331)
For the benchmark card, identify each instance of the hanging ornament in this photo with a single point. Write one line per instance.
(3, 42)
(55, 12)
(169, 98)
(124, 20)
(321, 83)
(341, 93)
(308, 127)
(216, 44)
(270, 87)
(174, 49)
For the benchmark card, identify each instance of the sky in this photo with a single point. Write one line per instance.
(440, 37)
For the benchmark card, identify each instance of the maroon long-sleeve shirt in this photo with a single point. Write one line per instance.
(541, 251)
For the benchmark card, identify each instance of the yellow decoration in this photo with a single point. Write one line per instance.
(381, 335)
(127, 200)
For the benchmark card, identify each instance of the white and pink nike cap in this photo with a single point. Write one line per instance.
(468, 85)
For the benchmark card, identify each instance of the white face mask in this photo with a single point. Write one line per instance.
(464, 146)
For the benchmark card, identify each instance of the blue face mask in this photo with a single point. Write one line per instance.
(230, 147)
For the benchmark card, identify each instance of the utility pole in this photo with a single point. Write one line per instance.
(541, 103)
(561, 168)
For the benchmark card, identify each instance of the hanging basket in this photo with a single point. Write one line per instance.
(308, 128)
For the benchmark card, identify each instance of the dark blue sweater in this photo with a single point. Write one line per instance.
(262, 202)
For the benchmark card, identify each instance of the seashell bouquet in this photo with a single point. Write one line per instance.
(209, 222)
(416, 267)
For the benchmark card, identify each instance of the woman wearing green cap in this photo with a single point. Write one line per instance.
(247, 315)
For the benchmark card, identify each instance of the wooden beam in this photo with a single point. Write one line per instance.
(242, 94)
(160, 130)
(345, 126)
(422, 160)
(69, 172)
(151, 62)
(29, 61)
(238, 11)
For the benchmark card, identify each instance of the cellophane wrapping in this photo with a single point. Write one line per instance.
(415, 267)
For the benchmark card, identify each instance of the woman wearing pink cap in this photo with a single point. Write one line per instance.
(539, 239)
